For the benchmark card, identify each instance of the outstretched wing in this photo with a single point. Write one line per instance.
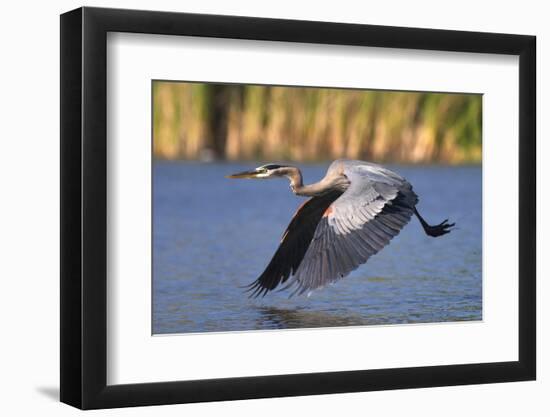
(294, 244)
(374, 209)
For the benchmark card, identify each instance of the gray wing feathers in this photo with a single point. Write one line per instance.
(374, 209)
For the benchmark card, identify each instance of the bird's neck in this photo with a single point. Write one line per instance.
(310, 190)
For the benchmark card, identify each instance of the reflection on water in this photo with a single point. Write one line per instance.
(212, 236)
(281, 318)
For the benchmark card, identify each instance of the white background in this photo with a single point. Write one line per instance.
(30, 205)
(134, 356)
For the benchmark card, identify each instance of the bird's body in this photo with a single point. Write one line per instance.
(353, 212)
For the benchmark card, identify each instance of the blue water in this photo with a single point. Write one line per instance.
(213, 235)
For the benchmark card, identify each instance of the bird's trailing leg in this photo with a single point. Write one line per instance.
(434, 231)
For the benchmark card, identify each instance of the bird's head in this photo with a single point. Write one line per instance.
(263, 172)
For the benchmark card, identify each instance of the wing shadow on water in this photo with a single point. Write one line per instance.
(280, 318)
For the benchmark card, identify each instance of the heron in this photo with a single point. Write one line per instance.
(352, 214)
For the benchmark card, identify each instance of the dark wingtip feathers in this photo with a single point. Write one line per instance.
(256, 289)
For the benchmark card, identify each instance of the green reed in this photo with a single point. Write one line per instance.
(240, 122)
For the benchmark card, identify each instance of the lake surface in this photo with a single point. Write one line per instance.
(212, 236)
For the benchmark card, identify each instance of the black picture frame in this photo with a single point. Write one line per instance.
(84, 207)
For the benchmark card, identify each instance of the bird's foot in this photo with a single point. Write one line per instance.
(439, 230)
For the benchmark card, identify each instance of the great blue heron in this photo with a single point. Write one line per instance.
(353, 212)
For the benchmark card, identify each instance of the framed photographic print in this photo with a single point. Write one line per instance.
(258, 207)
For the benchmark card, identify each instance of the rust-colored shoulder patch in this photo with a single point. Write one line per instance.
(328, 211)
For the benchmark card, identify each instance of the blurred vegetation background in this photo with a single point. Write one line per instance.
(252, 122)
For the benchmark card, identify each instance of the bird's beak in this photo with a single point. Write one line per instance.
(244, 174)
